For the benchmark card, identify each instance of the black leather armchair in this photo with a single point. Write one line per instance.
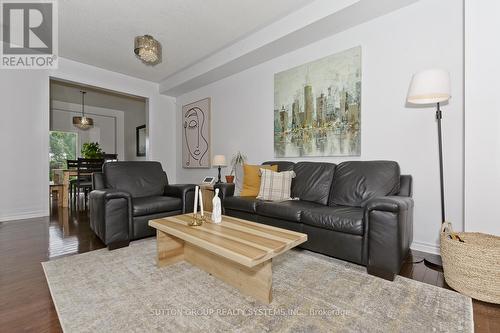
(127, 195)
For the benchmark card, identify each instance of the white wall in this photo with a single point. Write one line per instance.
(109, 123)
(482, 117)
(132, 120)
(24, 96)
(393, 48)
(24, 103)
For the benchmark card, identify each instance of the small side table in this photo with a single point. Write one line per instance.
(207, 192)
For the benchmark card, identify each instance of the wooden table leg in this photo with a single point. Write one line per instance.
(170, 249)
(256, 281)
(65, 196)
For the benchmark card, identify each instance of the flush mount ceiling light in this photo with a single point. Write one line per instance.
(147, 49)
(83, 123)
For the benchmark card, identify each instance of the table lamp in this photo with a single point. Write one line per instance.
(432, 86)
(219, 161)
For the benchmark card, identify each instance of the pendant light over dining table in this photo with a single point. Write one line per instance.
(83, 122)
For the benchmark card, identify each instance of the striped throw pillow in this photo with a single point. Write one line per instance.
(275, 186)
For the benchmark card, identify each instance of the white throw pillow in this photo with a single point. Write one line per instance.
(275, 186)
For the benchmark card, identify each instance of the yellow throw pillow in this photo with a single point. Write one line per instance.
(251, 179)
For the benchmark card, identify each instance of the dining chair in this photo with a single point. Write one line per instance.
(110, 157)
(86, 166)
(72, 164)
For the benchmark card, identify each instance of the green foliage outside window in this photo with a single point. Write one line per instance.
(62, 147)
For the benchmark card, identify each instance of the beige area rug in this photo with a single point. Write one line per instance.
(123, 291)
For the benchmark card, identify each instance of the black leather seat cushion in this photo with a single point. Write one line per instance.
(242, 204)
(313, 181)
(286, 210)
(357, 182)
(343, 219)
(156, 204)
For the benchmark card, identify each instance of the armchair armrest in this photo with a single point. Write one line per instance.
(225, 190)
(111, 216)
(388, 234)
(98, 181)
(183, 191)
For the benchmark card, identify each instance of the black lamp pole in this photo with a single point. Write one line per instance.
(439, 116)
(435, 262)
(219, 181)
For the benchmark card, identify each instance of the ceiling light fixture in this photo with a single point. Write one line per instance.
(83, 123)
(147, 49)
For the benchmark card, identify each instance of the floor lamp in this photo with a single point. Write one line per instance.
(432, 86)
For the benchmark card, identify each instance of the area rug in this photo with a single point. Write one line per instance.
(124, 291)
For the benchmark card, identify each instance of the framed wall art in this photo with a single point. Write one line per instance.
(140, 141)
(196, 134)
(317, 107)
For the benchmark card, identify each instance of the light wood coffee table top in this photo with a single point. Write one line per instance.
(236, 251)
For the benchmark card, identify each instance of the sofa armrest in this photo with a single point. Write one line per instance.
(388, 234)
(183, 191)
(390, 204)
(111, 216)
(225, 190)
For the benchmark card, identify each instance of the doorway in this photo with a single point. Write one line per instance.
(114, 120)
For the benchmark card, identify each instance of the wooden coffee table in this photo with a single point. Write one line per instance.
(237, 251)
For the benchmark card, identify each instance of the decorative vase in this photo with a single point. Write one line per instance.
(229, 179)
(216, 208)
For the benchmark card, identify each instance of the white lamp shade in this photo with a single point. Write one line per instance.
(219, 160)
(429, 86)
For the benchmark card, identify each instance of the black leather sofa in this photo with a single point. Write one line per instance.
(359, 211)
(126, 195)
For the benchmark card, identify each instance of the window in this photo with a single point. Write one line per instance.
(62, 147)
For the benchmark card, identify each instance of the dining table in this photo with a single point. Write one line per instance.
(63, 176)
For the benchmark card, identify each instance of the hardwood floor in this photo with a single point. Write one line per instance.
(25, 301)
(486, 315)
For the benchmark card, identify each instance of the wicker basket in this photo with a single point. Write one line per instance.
(472, 267)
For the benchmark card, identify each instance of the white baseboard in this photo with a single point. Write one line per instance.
(25, 215)
(425, 247)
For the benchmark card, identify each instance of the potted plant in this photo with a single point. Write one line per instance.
(92, 150)
(237, 159)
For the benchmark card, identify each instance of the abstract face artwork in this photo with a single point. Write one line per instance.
(317, 107)
(196, 134)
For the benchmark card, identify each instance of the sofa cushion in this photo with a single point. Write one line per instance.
(313, 181)
(242, 204)
(156, 204)
(286, 210)
(139, 178)
(251, 179)
(275, 186)
(342, 219)
(355, 183)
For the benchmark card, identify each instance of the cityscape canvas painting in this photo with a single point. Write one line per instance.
(317, 107)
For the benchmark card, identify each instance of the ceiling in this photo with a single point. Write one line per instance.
(101, 33)
(316, 21)
(70, 93)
